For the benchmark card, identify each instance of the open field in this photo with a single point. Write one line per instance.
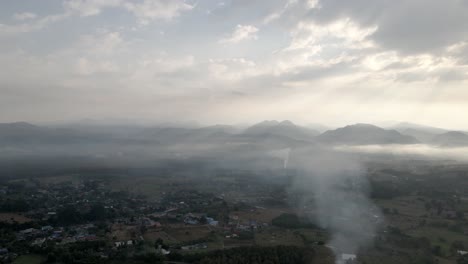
(440, 237)
(261, 214)
(232, 242)
(29, 259)
(310, 236)
(14, 217)
(412, 206)
(123, 232)
(153, 235)
(278, 236)
(188, 233)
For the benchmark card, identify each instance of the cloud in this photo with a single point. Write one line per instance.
(415, 26)
(232, 69)
(343, 32)
(35, 25)
(413, 29)
(149, 10)
(145, 11)
(96, 53)
(24, 16)
(85, 67)
(292, 10)
(459, 51)
(242, 32)
(101, 44)
(90, 7)
(277, 14)
(327, 57)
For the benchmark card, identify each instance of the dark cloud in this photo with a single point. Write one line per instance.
(451, 75)
(414, 26)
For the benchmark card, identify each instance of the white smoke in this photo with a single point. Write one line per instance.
(286, 158)
(282, 154)
(335, 186)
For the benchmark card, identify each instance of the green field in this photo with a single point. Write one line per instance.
(29, 259)
(440, 237)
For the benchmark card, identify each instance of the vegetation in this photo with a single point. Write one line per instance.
(255, 255)
(291, 221)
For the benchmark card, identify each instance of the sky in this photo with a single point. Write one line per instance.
(217, 61)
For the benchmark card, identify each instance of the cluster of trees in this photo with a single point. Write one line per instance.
(14, 205)
(80, 252)
(462, 259)
(69, 215)
(291, 221)
(251, 255)
(84, 253)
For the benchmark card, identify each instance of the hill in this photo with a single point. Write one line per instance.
(282, 129)
(451, 139)
(364, 134)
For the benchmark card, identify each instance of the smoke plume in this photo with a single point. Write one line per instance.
(331, 189)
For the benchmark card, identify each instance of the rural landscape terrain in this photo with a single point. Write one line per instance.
(233, 132)
(274, 192)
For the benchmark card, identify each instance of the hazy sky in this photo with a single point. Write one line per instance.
(325, 61)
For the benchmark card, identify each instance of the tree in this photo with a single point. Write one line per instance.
(463, 259)
(437, 250)
(96, 213)
(68, 216)
(457, 245)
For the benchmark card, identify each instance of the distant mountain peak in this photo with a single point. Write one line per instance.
(363, 125)
(365, 134)
(403, 126)
(451, 139)
(284, 128)
(456, 133)
(18, 124)
(267, 123)
(286, 123)
(19, 127)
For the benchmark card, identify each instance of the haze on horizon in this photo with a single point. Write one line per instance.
(322, 61)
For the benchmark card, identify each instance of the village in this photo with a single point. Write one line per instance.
(116, 223)
(146, 219)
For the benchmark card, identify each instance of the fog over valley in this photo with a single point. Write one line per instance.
(233, 132)
(266, 144)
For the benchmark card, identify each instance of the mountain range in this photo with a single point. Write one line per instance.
(271, 132)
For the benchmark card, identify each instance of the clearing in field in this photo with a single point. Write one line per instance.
(29, 259)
